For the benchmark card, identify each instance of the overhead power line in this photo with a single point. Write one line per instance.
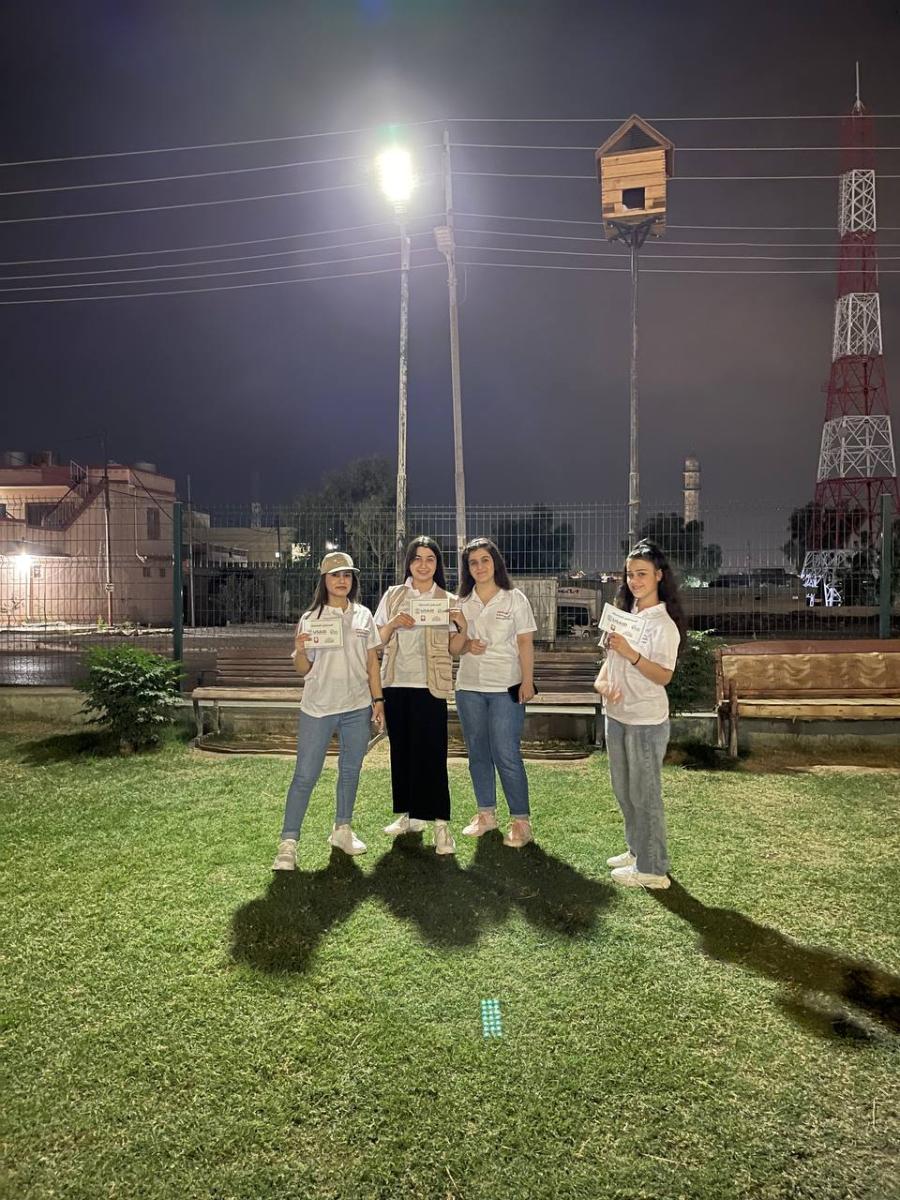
(571, 237)
(119, 212)
(203, 262)
(266, 141)
(737, 228)
(369, 129)
(52, 287)
(674, 179)
(227, 287)
(730, 271)
(682, 257)
(656, 120)
(80, 187)
(311, 162)
(680, 149)
(30, 262)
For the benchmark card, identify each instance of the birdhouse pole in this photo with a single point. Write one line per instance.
(633, 166)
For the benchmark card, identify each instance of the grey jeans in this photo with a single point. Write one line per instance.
(636, 754)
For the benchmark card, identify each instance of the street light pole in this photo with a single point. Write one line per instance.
(446, 243)
(402, 399)
(397, 182)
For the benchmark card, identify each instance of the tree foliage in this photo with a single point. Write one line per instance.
(535, 543)
(353, 509)
(683, 545)
(811, 528)
(133, 692)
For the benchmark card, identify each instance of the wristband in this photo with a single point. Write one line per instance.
(637, 660)
(378, 699)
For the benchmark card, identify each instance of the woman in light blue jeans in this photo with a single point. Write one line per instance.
(494, 683)
(640, 662)
(335, 650)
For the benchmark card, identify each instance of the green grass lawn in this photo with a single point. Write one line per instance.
(178, 1023)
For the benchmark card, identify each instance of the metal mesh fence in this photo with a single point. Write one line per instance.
(91, 561)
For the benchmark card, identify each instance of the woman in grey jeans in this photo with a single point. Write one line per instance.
(633, 683)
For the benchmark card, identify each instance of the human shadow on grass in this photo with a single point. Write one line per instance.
(450, 907)
(806, 973)
(281, 930)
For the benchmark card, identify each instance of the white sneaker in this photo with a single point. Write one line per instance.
(632, 877)
(286, 858)
(484, 819)
(404, 824)
(626, 859)
(519, 833)
(443, 839)
(343, 838)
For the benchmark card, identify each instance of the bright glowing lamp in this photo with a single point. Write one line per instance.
(23, 563)
(395, 175)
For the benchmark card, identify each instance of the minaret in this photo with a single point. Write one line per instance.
(856, 458)
(691, 490)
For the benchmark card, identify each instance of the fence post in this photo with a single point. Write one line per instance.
(886, 567)
(177, 586)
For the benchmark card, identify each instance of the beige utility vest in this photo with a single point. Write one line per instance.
(438, 663)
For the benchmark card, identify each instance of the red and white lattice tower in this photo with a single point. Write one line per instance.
(856, 460)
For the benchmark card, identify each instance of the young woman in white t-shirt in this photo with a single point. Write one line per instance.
(417, 678)
(633, 683)
(341, 694)
(494, 682)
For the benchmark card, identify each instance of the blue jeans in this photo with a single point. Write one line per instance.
(492, 724)
(313, 736)
(636, 754)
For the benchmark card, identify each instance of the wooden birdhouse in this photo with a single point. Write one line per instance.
(633, 166)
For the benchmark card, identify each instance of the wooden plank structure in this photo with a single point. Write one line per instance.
(633, 167)
(845, 680)
(249, 675)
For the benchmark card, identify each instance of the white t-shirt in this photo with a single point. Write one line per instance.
(643, 701)
(339, 679)
(409, 664)
(499, 622)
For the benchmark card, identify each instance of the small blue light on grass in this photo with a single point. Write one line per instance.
(491, 1023)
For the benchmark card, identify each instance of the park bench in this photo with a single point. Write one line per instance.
(248, 675)
(801, 681)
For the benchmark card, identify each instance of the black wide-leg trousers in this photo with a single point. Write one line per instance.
(417, 729)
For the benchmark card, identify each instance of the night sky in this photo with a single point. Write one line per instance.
(295, 379)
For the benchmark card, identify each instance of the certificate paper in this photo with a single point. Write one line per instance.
(324, 633)
(430, 611)
(616, 620)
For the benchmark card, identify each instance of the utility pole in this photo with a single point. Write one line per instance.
(191, 554)
(107, 534)
(446, 243)
(177, 586)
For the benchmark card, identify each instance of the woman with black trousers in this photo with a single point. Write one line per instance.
(416, 675)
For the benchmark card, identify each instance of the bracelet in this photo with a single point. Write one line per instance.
(378, 699)
(637, 660)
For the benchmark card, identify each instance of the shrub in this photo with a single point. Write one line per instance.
(133, 692)
(693, 686)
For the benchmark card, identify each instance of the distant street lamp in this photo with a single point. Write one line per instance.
(397, 180)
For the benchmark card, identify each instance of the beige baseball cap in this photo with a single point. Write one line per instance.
(337, 561)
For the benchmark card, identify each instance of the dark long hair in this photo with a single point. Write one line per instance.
(429, 544)
(667, 586)
(320, 599)
(501, 575)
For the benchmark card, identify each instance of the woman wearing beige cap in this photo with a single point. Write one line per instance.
(335, 650)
